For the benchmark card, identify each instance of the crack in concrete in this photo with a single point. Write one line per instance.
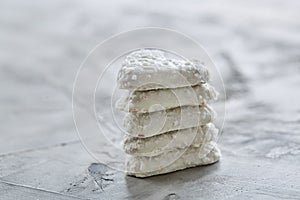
(99, 173)
(37, 189)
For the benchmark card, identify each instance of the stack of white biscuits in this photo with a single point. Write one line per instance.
(168, 118)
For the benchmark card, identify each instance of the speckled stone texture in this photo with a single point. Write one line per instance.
(255, 44)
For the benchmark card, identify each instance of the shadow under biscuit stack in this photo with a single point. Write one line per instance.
(169, 121)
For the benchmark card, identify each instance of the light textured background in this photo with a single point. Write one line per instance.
(256, 45)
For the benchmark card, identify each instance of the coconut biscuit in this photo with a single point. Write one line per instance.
(151, 69)
(170, 141)
(142, 166)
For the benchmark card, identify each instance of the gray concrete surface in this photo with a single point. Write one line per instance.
(255, 44)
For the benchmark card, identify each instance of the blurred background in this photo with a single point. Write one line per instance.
(255, 44)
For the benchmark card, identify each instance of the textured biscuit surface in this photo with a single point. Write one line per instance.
(142, 166)
(155, 123)
(170, 141)
(156, 100)
(150, 69)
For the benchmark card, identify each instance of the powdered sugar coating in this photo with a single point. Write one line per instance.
(170, 141)
(145, 101)
(151, 69)
(155, 123)
(143, 166)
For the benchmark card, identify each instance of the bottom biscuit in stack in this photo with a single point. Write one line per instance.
(143, 166)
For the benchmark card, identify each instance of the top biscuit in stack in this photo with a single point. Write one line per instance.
(167, 99)
(150, 69)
